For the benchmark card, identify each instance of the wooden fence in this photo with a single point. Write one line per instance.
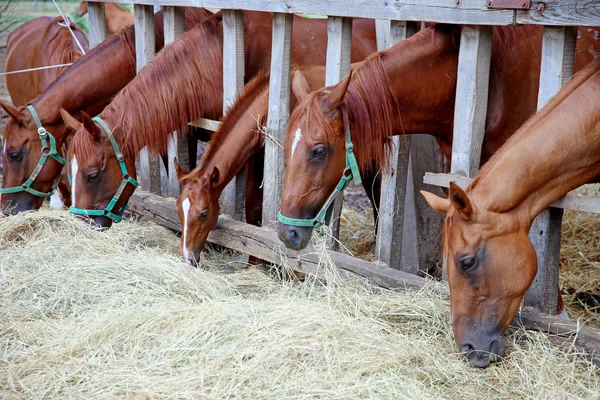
(405, 240)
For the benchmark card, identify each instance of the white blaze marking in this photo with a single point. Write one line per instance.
(296, 140)
(74, 169)
(186, 208)
(56, 200)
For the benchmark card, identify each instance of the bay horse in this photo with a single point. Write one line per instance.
(88, 85)
(490, 261)
(117, 17)
(407, 89)
(158, 102)
(40, 42)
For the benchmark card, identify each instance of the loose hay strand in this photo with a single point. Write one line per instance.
(117, 314)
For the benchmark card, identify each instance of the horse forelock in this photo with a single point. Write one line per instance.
(83, 145)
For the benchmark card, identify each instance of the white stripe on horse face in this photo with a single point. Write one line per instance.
(296, 140)
(74, 170)
(56, 200)
(186, 208)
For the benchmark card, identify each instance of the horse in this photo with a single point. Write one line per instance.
(117, 17)
(490, 260)
(41, 42)
(88, 85)
(407, 89)
(158, 102)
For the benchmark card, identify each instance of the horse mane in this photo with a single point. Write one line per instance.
(158, 100)
(62, 43)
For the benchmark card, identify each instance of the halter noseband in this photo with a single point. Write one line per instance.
(350, 172)
(108, 211)
(48, 142)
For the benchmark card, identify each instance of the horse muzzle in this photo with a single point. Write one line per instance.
(294, 237)
(15, 203)
(483, 349)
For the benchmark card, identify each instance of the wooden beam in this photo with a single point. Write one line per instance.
(339, 46)
(279, 114)
(558, 52)
(144, 50)
(561, 13)
(207, 124)
(232, 197)
(98, 31)
(177, 146)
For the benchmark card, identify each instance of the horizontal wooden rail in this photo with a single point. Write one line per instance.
(208, 124)
(569, 202)
(474, 12)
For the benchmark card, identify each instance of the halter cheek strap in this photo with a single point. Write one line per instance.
(109, 211)
(48, 143)
(324, 215)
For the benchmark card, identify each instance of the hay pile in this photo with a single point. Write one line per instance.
(116, 314)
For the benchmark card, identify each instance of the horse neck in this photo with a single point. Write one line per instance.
(159, 101)
(553, 153)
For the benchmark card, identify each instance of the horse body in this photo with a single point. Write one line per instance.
(87, 85)
(117, 17)
(490, 261)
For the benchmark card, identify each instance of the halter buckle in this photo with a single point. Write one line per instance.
(42, 132)
(349, 146)
(120, 157)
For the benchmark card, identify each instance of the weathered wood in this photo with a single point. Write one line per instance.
(471, 98)
(174, 23)
(558, 52)
(207, 124)
(561, 13)
(232, 197)
(144, 50)
(571, 201)
(279, 114)
(339, 45)
(98, 30)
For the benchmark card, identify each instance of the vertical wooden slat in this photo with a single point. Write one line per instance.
(339, 46)
(98, 31)
(174, 23)
(558, 50)
(144, 50)
(232, 198)
(279, 114)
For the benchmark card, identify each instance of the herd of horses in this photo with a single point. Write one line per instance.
(335, 134)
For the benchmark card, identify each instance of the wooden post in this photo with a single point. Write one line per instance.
(98, 31)
(144, 50)
(232, 198)
(174, 25)
(339, 46)
(279, 114)
(558, 50)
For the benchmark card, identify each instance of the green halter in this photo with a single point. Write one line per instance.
(351, 172)
(48, 143)
(108, 211)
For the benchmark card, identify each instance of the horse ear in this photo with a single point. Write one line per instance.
(439, 204)
(334, 99)
(89, 125)
(179, 170)
(12, 111)
(461, 201)
(69, 120)
(300, 86)
(214, 177)
(82, 9)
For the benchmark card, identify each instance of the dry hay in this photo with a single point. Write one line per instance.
(85, 314)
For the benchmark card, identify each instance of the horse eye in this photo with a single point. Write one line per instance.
(203, 215)
(15, 156)
(93, 177)
(467, 263)
(319, 151)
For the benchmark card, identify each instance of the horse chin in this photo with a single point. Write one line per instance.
(294, 237)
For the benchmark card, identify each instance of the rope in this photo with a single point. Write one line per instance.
(67, 24)
(34, 69)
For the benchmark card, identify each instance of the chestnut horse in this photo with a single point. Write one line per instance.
(117, 17)
(88, 85)
(40, 42)
(407, 89)
(158, 102)
(490, 260)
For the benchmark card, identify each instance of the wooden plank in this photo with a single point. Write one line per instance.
(232, 197)
(279, 114)
(571, 201)
(207, 124)
(339, 46)
(471, 98)
(98, 30)
(561, 13)
(558, 52)
(177, 146)
(144, 50)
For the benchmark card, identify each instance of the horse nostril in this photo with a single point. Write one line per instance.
(466, 347)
